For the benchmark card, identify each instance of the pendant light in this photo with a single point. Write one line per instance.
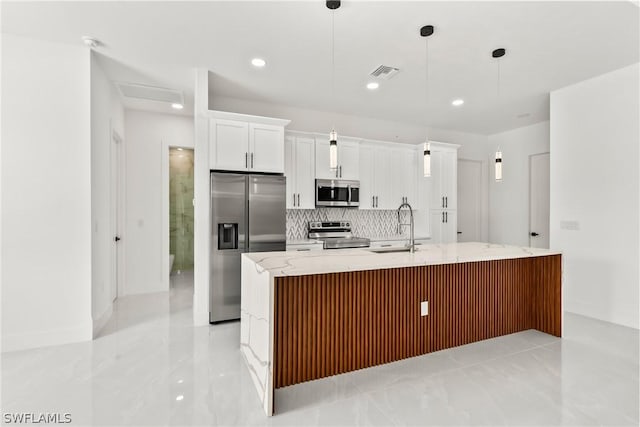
(333, 135)
(498, 53)
(425, 32)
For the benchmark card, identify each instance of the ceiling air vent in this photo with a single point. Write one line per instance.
(151, 93)
(385, 72)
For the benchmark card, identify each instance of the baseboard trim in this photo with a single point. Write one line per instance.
(30, 340)
(101, 321)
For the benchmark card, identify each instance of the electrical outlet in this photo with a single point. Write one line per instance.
(424, 308)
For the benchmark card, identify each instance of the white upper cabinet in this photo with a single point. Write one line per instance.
(404, 167)
(348, 159)
(444, 170)
(375, 177)
(299, 170)
(228, 144)
(266, 148)
(239, 142)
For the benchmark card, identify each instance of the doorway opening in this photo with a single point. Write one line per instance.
(181, 161)
(539, 200)
(469, 200)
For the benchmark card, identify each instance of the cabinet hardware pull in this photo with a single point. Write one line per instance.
(246, 160)
(294, 199)
(446, 201)
(443, 217)
(373, 201)
(340, 171)
(298, 199)
(251, 160)
(446, 217)
(376, 201)
(443, 201)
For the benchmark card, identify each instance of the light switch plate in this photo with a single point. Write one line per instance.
(424, 308)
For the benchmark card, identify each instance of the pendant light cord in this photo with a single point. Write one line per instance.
(426, 85)
(333, 60)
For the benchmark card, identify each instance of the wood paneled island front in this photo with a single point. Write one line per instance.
(309, 315)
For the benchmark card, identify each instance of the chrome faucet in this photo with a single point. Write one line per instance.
(412, 242)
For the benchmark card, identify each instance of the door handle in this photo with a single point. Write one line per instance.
(246, 160)
(251, 160)
(459, 232)
(117, 239)
(534, 234)
(298, 199)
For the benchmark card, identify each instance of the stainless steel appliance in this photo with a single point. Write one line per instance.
(336, 235)
(337, 193)
(247, 215)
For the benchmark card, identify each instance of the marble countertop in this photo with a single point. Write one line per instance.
(295, 263)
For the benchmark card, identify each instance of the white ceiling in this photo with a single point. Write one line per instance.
(549, 45)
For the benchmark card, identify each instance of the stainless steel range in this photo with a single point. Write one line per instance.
(336, 235)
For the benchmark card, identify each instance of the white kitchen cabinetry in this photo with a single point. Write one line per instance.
(348, 159)
(443, 185)
(404, 177)
(444, 226)
(375, 177)
(444, 176)
(239, 142)
(299, 170)
(316, 246)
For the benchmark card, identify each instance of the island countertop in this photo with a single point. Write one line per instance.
(296, 263)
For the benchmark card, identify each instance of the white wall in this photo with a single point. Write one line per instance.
(509, 199)
(106, 112)
(595, 181)
(46, 193)
(148, 137)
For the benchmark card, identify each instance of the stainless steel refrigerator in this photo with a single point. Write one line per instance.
(247, 215)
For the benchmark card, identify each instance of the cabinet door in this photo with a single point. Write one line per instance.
(228, 145)
(383, 179)
(404, 176)
(322, 159)
(367, 177)
(449, 232)
(436, 224)
(449, 175)
(349, 159)
(305, 177)
(290, 170)
(266, 148)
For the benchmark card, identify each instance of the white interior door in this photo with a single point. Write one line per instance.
(539, 200)
(469, 200)
(116, 197)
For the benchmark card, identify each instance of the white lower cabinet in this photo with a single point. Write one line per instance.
(444, 226)
(299, 170)
(318, 246)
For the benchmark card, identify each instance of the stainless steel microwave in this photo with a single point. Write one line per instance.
(337, 193)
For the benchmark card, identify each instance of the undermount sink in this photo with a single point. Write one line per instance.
(390, 250)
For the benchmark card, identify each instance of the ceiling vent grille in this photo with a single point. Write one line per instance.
(150, 93)
(385, 72)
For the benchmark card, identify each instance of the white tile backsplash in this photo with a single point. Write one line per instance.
(364, 223)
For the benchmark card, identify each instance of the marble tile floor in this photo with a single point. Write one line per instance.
(150, 366)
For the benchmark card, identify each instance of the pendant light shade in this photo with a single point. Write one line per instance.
(332, 5)
(427, 159)
(333, 150)
(425, 32)
(497, 54)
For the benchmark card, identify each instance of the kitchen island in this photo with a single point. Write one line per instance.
(309, 315)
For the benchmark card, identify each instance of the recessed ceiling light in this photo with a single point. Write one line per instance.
(177, 106)
(179, 397)
(457, 102)
(91, 42)
(258, 62)
(373, 85)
